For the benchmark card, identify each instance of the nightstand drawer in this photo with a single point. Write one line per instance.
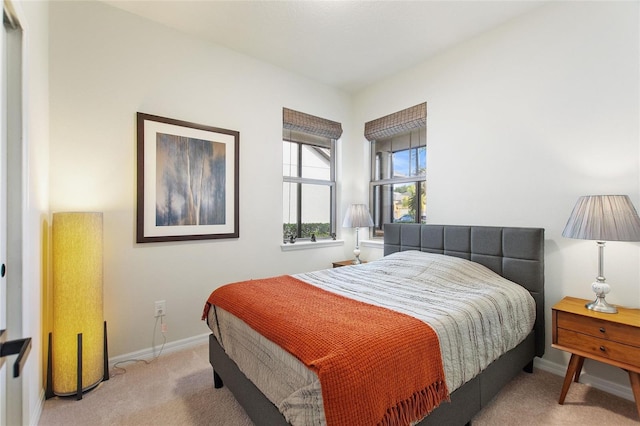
(599, 347)
(598, 328)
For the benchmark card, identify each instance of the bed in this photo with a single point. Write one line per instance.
(516, 254)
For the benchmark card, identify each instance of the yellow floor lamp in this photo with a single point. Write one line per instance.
(77, 354)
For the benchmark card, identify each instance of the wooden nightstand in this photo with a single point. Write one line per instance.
(610, 338)
(345, 263)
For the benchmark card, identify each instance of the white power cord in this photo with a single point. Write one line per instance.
(163, 330)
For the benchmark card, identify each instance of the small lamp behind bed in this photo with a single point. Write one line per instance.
(603, 218)
(357, 217)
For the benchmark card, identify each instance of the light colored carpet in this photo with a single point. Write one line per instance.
(177, 389)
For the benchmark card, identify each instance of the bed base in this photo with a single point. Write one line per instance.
(466, 401)
(259, 409)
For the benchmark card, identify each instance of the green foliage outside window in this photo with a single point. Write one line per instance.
(321, 230)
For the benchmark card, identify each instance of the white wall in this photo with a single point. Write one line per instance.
(523, 120)
(106, 65)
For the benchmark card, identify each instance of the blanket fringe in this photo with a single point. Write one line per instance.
(205, 311)
(416, 407)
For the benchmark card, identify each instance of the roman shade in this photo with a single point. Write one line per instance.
(296, 121)
(397, 123)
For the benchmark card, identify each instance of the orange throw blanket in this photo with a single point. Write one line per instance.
(375, 365)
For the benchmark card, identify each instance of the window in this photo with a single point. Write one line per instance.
(308, 177)
(398, 167)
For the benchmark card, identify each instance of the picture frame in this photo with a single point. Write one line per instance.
(187, 180)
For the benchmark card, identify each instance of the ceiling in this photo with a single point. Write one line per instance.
(344, 44)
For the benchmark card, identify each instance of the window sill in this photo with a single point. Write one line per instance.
(306, 245)
(378, 243)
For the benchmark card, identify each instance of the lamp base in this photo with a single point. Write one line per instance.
(601, 288)
(601, 305)
(49, 392)
(357, 260)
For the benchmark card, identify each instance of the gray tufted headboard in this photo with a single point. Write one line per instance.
(515, 253)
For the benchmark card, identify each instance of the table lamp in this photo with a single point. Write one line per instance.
(603, 218)
(357, 217)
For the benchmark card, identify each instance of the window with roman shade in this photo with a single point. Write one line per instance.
(309, 182)
(398, 167)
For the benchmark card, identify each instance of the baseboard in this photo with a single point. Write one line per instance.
(170, 347)
(604, 385)
(36, 413)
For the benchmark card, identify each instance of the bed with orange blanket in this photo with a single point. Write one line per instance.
(420, 332)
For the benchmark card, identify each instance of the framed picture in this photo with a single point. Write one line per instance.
(187, 181)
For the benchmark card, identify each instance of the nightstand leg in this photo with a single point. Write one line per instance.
(634, 378)
(576, 377)
(573, 371)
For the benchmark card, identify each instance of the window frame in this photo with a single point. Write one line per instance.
(291, 137)
(376, 200)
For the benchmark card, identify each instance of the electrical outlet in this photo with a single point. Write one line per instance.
(160, 309)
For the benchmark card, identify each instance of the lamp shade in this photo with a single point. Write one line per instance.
(357, 217)
(603, 218)
(77, 300)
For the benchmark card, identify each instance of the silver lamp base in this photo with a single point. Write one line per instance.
(601, 305)
(601, 288)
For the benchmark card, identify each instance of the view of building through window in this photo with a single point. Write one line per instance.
(308, 176)
(307, 190)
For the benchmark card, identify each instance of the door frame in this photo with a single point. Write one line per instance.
(12, 101)
(3, 222)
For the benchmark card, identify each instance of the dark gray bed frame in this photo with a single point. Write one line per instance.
(515, 253)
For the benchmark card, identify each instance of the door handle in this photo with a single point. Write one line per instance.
(22, 347)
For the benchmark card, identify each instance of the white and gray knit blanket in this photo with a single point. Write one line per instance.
(477, 315)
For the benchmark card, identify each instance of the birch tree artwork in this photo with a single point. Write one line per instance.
(190, 181)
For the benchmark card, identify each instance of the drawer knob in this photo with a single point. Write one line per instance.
(603, 349)
(602, 330)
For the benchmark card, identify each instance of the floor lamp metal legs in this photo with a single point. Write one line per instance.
(49, 388)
